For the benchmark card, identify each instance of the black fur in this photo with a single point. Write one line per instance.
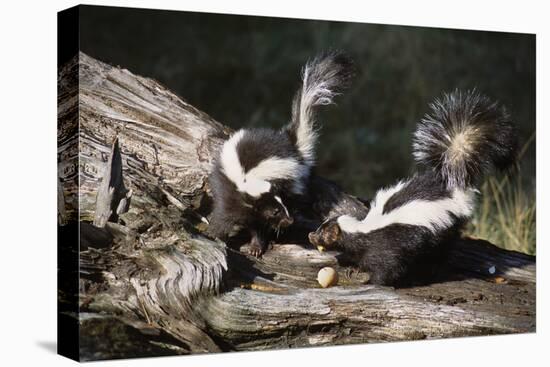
(259, 144)
(237, 211)
(400, 254)
(234, 210)
(420, 187)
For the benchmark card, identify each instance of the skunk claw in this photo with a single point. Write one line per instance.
(255, 250)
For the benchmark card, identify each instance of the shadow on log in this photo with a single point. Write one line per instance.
(151, 283)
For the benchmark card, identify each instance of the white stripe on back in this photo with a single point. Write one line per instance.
(434, 215)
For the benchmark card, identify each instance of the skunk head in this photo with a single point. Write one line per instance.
(258, 167)
(327, 235)
(269, 209)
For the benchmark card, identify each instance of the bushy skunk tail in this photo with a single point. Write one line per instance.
(464, 137)
(323, 78)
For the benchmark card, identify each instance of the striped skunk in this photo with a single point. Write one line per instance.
(465, 136)
(260, 171)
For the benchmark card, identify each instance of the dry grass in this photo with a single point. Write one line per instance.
(506, 215)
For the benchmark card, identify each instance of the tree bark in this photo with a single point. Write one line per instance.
(134, 160)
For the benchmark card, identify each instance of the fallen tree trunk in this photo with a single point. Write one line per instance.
(152, 284)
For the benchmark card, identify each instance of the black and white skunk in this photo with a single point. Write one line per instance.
(260, 171)
(463, 138)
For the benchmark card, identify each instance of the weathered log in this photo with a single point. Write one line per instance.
(152, 283)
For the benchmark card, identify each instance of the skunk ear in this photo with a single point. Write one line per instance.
(328, 234)
(331, 233)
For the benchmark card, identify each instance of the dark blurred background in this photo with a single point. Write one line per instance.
(244, 70)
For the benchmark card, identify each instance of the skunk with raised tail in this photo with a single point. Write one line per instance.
(462, 139)
(261, 171)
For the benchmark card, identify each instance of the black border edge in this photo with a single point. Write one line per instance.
(68, 330)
